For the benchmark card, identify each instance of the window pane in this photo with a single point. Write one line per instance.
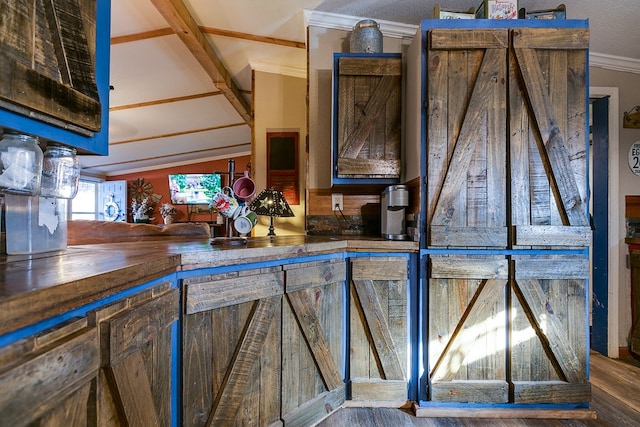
(83, 206)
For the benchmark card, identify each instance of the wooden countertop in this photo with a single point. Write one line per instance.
(37, 287)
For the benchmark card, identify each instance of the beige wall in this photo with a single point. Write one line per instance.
(628, 85)
(279, 105)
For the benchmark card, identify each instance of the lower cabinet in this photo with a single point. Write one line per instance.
(379, 326)
(111, 367)
(133, 387)
(263, 346)
(47, 379)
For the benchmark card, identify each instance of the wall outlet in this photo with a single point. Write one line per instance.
(336, 202)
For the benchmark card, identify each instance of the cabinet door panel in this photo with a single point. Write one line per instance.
(45, 379)
(231, 348)
(548, 123)
(135, 383)
(312, 341)
(378, 325)
(466, 144)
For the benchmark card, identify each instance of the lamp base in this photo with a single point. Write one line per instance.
(271, 230)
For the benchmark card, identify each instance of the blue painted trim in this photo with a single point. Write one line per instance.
(600, 256)
(81, 311)
(428, 24)
(413, 308)
(99, 143)
(462, 406)
(505, 252)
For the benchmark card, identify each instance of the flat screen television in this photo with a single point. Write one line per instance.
(193, 188)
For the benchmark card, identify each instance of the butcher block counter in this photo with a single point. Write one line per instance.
(181, 331)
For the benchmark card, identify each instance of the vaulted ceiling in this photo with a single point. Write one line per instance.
(181, 69)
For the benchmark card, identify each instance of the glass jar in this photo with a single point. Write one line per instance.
(60, 172)
(20, 164)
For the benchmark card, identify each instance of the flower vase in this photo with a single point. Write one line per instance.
(141, 219)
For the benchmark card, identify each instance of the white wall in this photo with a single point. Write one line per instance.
(628, 85)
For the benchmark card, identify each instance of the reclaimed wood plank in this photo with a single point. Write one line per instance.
(219, 293)
(314, 410)
(552, 139)
(470, 391)
(477, 38)
(479, 236)
(371, 67)
(314, 336)
(549, 329)
(379, 268)
(469, 268)
(552, 235)
(229, 400)
(48, 376)
(538, 392)
(134, 390)
(300, 277)
(372, 390)
(383, 168)
(379, 331)
(197, 367)
(552, 268)
(551, 38)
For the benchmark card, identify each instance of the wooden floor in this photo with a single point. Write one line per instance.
(615, 401)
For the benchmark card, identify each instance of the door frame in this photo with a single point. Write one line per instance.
(614, 250)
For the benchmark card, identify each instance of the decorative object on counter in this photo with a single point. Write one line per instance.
(439, 13)
(497, 9)
(366, 37)
(245, 220)
(393, 202)
(225, 204)
(559, 12)
(244, 188)
(60, 172)
(271, 203)
(631, 118)
(20, 164)
(168, 211)
(141, 210)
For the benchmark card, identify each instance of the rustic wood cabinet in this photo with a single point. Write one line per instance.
(367, 118)
(379, 329)
(506, 229)
(111, 367)
(134, 385)
(55, 68)
(264, 346)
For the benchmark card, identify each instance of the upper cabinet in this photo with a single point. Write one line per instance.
(367, 111)
(505, 133)
(54, 63)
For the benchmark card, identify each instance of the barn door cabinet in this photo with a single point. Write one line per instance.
(505, 200)
(110, 367)
(367, 125)
(379, 329)
(55, 68)
(263, 346)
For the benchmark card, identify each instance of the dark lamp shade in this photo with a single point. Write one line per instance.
(271, 203)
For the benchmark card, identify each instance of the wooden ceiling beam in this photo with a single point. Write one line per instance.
(181, 21)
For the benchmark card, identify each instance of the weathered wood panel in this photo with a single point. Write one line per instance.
(379, 329)
(467, 328)
(231, 348)
(47, 50)
(312, 340)
(548, 143)
(466, 141)
(368, 117)
(134, 386)
(45, 379)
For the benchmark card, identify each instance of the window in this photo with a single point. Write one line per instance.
(84, 205)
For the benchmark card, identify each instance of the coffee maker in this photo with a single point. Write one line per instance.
(393, 203)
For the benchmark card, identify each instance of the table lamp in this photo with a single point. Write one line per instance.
(271, 203)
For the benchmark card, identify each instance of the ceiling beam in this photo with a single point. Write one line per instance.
(181, 21)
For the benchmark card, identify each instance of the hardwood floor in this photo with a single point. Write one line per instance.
(615, 401)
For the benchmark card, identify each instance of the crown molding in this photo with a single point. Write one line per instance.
(615, 63)
(397, 30)
(279, 69)
(346, 22)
